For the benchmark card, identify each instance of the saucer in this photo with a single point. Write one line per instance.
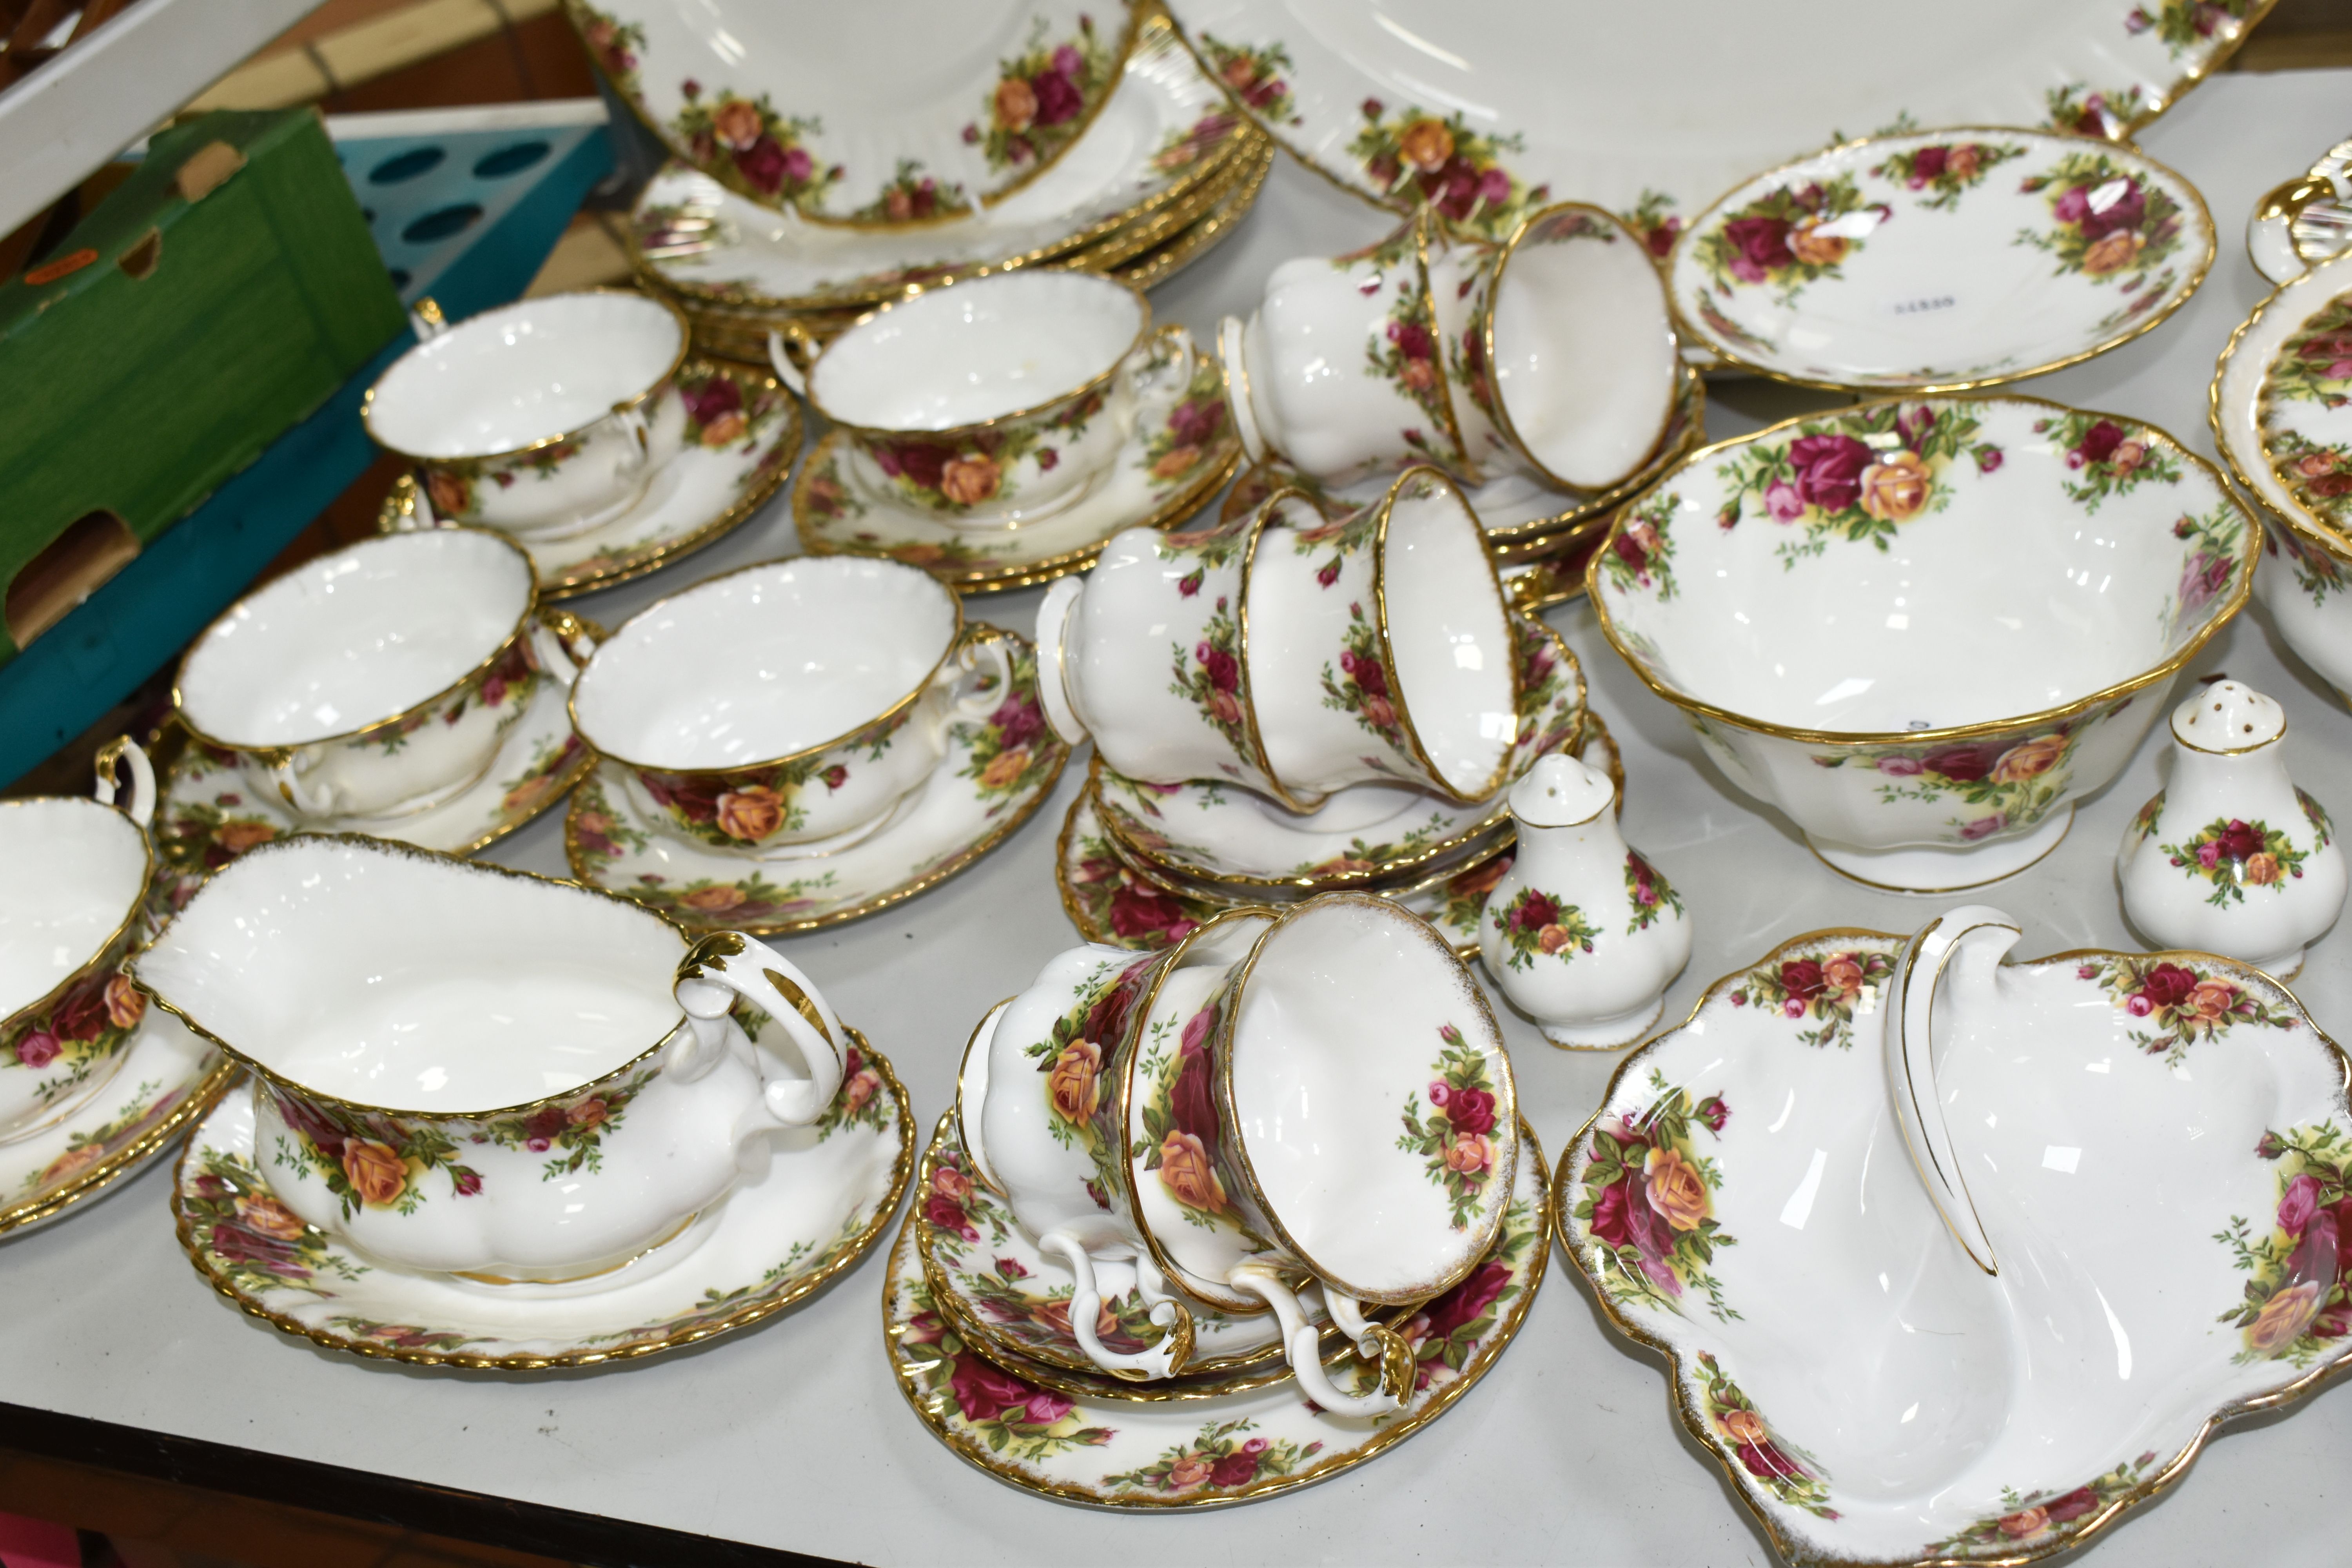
(1515, 509)
(167, 1078)
(696, 499)
(206, 815)
(1232, 837)
(1549, 571)
(828, 1191)
(1182, 448)
(2303, 406)
(1195, 1454)
(1941, 260)
(970, 803)
(1011, 1302)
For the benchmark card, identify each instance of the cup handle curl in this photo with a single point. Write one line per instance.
(140, 806)
(1383, 1346)
(1165, 1359)
(781, 358)
(983, 667)
(728, 964)
(320, 802)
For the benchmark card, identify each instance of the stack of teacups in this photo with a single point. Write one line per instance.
(431, 1041)
(1287, 681)
(544, 419)
(1218, 1123)
(1545, 371)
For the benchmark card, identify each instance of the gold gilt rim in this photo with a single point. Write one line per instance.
(120, 943)
(401, 849)
(2160, 103)
(2288, 200)
(1137, 250)
(1165, 261)
(126, 1161)
(635, 400)
(1387, 871)
(2266, 403)
(1129, 36)
(584, 871)
(284, 750)
(2250, 554)
(1723, 349)
(400, 502)
(899, 706)
(1261, 518)
(1440, 1401)
(991, 579)
(2298, 521)
(1492, 298)
(1226, 1028)
(566, 626)
(901, 1169)
(1154, 31)
(973, 427)
(1422, 227)
(1425, 473)
(1678, 1399)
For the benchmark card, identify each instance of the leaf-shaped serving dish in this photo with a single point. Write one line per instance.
(1974, 1287)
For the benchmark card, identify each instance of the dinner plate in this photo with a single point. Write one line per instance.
(884, 113)
(1490, 110)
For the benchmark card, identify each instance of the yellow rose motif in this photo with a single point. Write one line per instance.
(449, 494)
(267, 1216)
(1675, 1189)
(375, 1172)
(2113, 252)
(2029, 760)
(1426, 146)
(1808, 243)
(967, 481)
(1552, 938)
(1075, 1083)
(2211, 999)
(1005, 769)
(1960, 164)
(2260, 870)
(750, 814)
(1894, 489)
(72, 1164)
(1846, 974)
(1186, 1172)
(716, 899)
(1744, 1427)
(727, 427)
(2283, 1318)
(1189, 1471)
(125, 1003)
(1016, 104)
(737, 123)
(236, 837)
(2025, 1525)
(1470, 1155)
(1175, 461)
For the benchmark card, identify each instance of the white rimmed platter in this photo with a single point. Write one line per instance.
(884, 114)
(1491, 111)
(742, 433)
(1236, 838)
(1199, 1454)
(1941, 260)
(166, 1078)
(994, 775)
(1181, 449)
(1165, 134)
(207, 813)
(821, 1198)
(2141, 1180)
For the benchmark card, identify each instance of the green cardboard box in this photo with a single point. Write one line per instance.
(215, 298)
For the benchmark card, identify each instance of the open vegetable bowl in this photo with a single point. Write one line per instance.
(1789, 1194)
(1924, 628)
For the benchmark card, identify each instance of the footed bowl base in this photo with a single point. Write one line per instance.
(1929, 870)
(1613, 1032)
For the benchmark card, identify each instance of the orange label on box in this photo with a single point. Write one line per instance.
(64, 266)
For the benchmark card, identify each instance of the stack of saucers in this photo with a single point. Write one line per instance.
(1291, 703)
(1122, 1287)
(1542, 372)
(1163, 172)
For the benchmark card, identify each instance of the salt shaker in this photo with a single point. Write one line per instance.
(2232, 858)
(1581, 933)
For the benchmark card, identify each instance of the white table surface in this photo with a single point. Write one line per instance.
(793, 1434)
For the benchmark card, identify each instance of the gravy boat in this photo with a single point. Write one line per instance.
(470, 1070)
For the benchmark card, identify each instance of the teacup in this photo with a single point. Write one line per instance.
(377, 680)
(1552, 355)
(70, 909)
(544, 418)
(1144, 653)
(1225, 1116)
(989, 403)
(787, 707)
(1378, 645)
(572, 1091)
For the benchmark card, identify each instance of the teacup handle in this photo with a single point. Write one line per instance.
(780, 359)
(1911, 1068)
(982, 694)
(636, 450)
(728, 964)
(569, 636)
(1303, 1345)
(293, 790)
(1166, 1359)
(140, 806)
(425, 320)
